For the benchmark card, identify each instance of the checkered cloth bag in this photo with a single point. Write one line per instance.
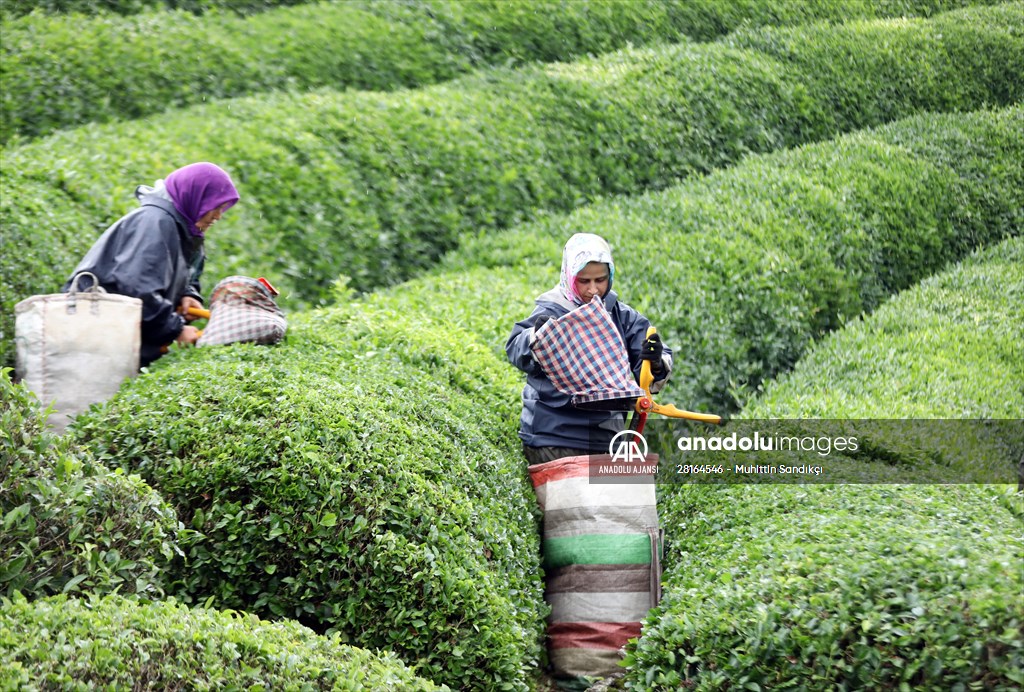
(243, 310)
(583, 355)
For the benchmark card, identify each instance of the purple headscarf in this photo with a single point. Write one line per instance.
(199, 188)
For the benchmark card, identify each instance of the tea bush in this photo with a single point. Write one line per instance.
(844, 586)
(703, 19)
(840, 80)
(114, 68)
(950, 347)
(862, 586)
(123, 643)
(258, 448)
(70, 524)
(742, 270)
(360, 478)
(376, 186)
(61, 71)
(20, 8)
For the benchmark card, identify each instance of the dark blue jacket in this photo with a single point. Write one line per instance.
(548, 418)
(148, 254)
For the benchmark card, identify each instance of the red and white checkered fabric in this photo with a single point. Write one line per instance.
(243, 310)
(583, 355)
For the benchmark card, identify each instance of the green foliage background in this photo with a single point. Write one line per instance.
(876, 586)
(62, 70)
(769, 176)
(377, 186)
(117, 642)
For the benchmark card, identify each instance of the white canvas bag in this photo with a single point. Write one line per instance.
(75, 349)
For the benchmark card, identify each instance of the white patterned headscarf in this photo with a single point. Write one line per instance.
(580, 250)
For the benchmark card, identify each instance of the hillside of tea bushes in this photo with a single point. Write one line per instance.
(874, 586)
(119, 643)
(106, 68)
(821, 218)
(369, 464)
(743, 269)
(376, 186)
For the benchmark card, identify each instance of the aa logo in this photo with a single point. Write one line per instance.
(628, 447)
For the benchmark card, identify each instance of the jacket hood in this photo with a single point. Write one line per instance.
(157, 189)
(156, 195)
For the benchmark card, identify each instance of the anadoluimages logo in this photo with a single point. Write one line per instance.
(628, 447)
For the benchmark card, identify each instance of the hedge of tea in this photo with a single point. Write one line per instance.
(20, 8)
(842, 78)
(845, 586)
(950, 346)
(361, 478)
(861, 586)
(703, 19)
(113, 67)
(70, 524)
(60, 71)
(123, 643)
(376, 186)
(906, 362)
(742, 270)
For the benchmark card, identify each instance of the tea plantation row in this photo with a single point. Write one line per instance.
(743, 269)
(107, 68)
(19, 8)
(71, 525)
(116, 642)
(361, 478)
(843, 586)
(375, 186)
(863, 586)
(60, 71)
(364, 477)
(950, 347)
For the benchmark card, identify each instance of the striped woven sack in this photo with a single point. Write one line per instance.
(602, 560)
(583, 355)
(242, 310)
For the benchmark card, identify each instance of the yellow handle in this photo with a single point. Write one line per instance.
(647, 379)
(673, 412)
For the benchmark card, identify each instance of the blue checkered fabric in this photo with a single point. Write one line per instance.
(583, 355)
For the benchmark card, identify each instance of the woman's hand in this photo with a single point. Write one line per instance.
(188, 337)
(652, 350)
(186, 303)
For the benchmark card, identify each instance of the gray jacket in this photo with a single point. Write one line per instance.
(548, 418)
(148, 254)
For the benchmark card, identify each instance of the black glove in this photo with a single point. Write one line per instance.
(651, 350)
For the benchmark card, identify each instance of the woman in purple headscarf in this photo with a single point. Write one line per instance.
(155, 252)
